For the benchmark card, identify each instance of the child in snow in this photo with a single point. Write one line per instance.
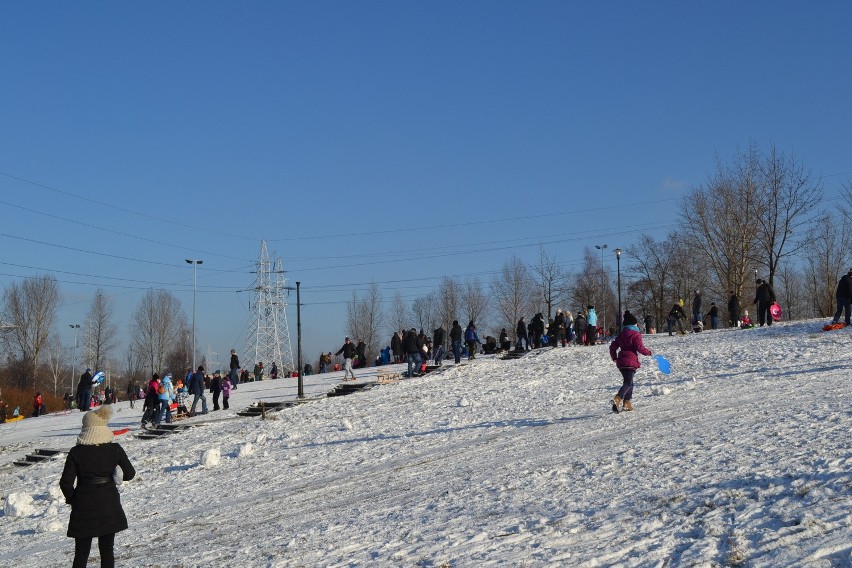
(624, 352)
(226, 392)
(180, 399)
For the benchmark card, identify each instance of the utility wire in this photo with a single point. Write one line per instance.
(99, 228)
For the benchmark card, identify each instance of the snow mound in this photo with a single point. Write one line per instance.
(211, 457)
(19, 505)
(660, 391)
(246, 449)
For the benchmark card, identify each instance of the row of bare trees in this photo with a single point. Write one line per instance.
(36, 359)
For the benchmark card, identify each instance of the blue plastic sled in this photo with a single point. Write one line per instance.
(100, 376)
(662, 364)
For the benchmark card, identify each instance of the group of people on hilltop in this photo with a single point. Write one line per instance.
(561, 330)
(163, 392)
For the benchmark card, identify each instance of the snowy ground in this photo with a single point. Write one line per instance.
(740, 457)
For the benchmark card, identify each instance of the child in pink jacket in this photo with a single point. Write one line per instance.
(624, 351)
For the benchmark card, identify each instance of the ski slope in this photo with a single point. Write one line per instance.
(739, 457)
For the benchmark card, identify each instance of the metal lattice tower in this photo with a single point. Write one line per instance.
(268, 339)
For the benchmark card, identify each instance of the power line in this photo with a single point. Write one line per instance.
(90, 226)
(123, 209)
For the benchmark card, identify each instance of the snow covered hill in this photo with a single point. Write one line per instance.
(740, 457)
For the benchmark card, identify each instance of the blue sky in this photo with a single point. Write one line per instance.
(395, 142)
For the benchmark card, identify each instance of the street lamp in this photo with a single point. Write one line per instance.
(75, 327)
(194, 264)
(618, 317)
(603, 304)
(301, 386)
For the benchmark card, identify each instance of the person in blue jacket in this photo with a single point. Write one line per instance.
(165, 396)
(471, 338)
(591, 325)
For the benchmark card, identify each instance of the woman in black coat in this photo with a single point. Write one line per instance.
(95, 504)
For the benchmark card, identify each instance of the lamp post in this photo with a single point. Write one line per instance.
(603, 304)
(618, 316)
(194, 264)
(75, 327)
(301, 386)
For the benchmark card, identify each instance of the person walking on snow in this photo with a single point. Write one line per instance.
(844, 297)
(624, 352)
(84, 391)
(196, 388)
(764, 297)
(456, 340)
(165, 396)
(591, 325)
(438, 344)
(521, 335)
(348, 350)
(472, 338)
(697, 314)
(234, 366)
(88, 483)
(676, 316)
(734, 309)
(412, 351)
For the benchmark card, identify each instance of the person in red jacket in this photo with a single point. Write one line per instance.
(38, 405)
(624, 351)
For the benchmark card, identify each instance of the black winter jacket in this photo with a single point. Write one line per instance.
(844, 287)
(677, 312)
(764, 294)
(410, 343)
(734, 305)
(348, 350)
(438, 337)
(456, 333)
(95, 504)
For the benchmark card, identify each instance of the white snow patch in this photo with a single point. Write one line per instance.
(19, 505)
(246, 449)
(211, 457)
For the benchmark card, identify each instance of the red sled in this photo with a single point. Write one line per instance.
(120, 432)
(833, 326)
(775, 312)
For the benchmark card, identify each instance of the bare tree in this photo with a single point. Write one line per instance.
(425, 313)
(156, 327)
(101, 335)
(448, 298)
(652, 268)
(30, 307)
(398, 316)
(364, 319)
(179, 355)
(513, 290)
(789, 288)
(550, 280)
(56, 363)
(133, 365)
(475, 302)
(787, 198)
(594, 288)
(827, 259)
(721, 221)
(846, 203)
